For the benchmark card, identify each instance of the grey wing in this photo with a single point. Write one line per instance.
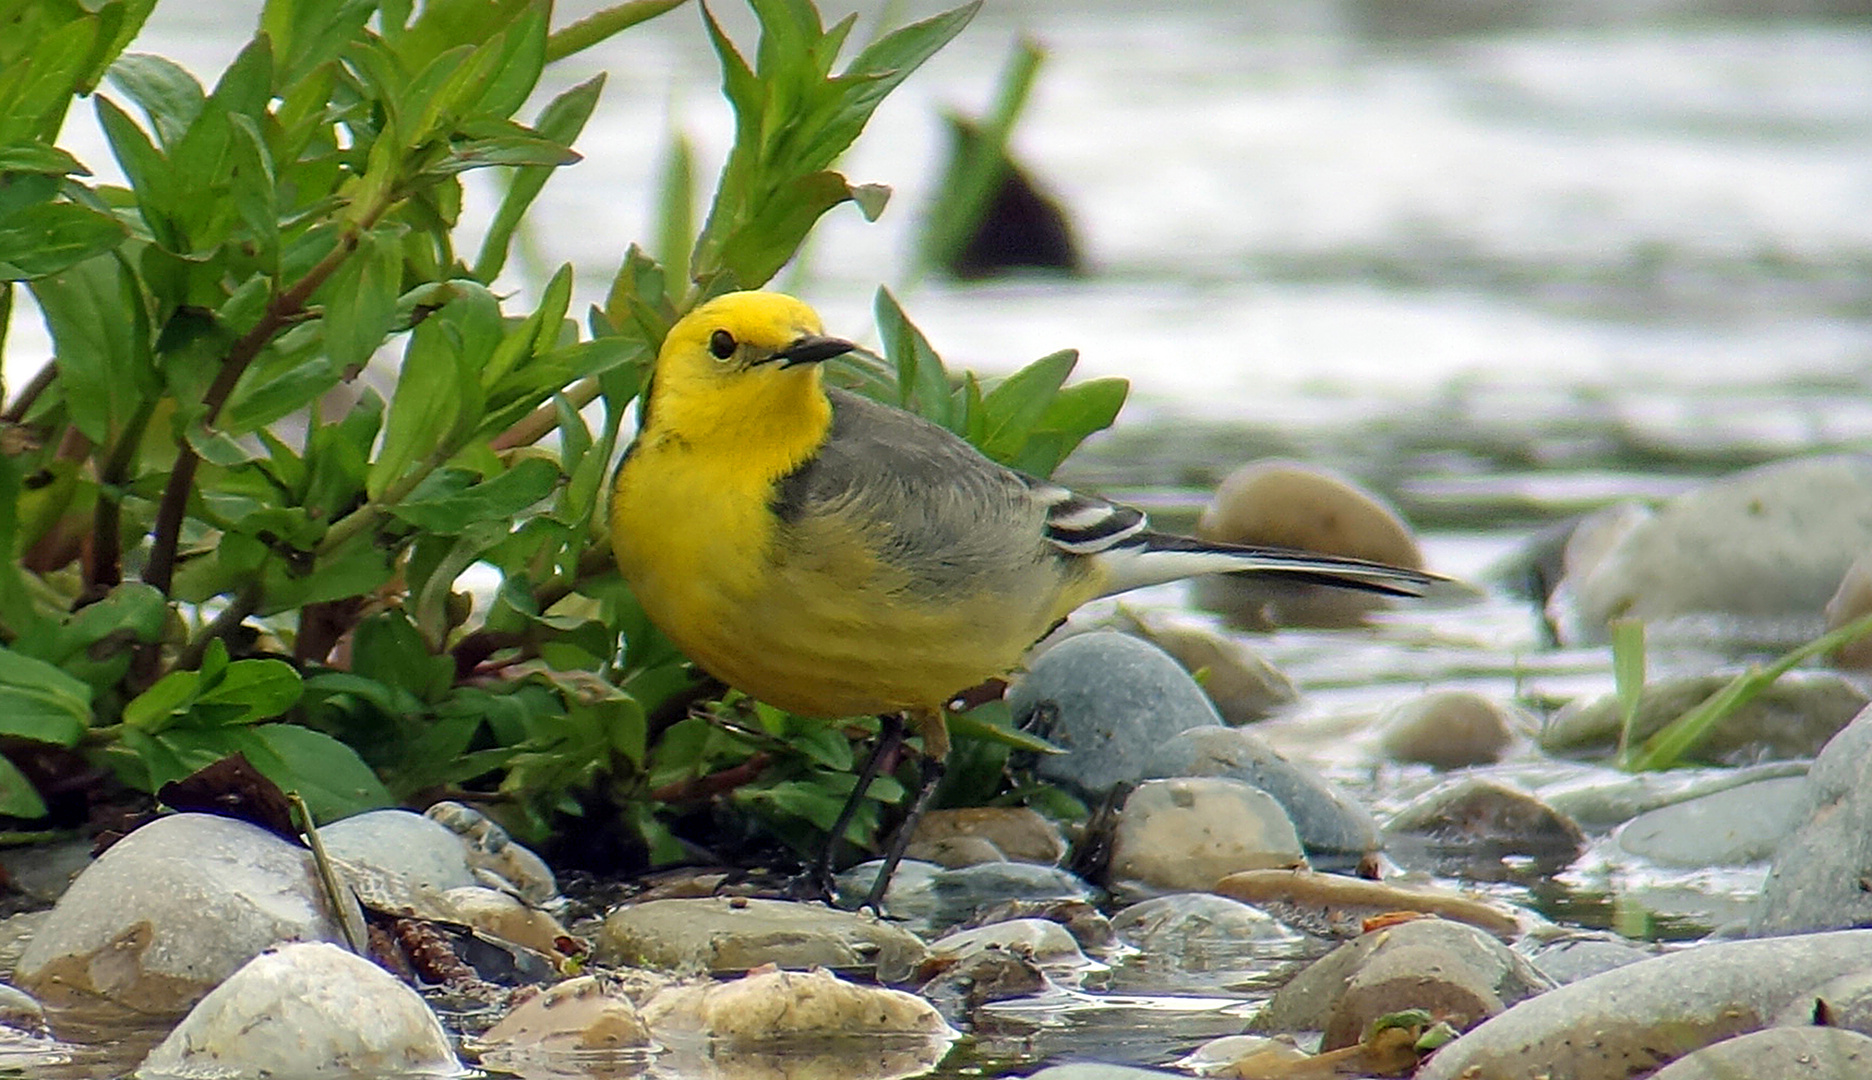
(940, 511)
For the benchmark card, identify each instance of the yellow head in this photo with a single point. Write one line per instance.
(742, 361)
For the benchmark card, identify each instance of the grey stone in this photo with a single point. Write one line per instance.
(1243, 686)
(1475, 818)
(1727, 828)
(1598, 797)
(1771, 542)
(1783, 1053)
(1817, 880)
(927, 898)
(307, 1010)
(1846, 1002)
(1793, 718)
(727, 934)
(1091, 1070)
(45, 871)
(1457, 972)
(1048, 944)
(170, 911)
(1327, 820)
(1108, 700)
(968, 835)
(1202, 932)
(1188, 833)
(417, 848)
(1622, 1022)
(1581, 956)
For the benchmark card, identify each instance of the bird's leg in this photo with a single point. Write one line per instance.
(935, 732)
(890, 737)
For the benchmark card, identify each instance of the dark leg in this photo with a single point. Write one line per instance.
(933, 769)
(890, 737)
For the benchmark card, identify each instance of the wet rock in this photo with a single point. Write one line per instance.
(578, 1016)
(44, 871)
(1108, 700)
(1088, 926)
(1852, 600)
(1333, 905)
(1449, 729)
(1242, 1055)
(1791, 719)
(1818, 878)
(767, 1006)
(496, 860)
(1327, 820)
(1599, 798)
(1092, 1070)
(1769, 543)
(19, 1012)
(960, 986)
(1202, 932)
(1048, 944)
(1472, 819)
(170, 911)
(1243, 686)
(1288, 504)
(1623, 1022)
(1185, 834)
(1580, 956)
(1458, 973)
(16, 932)
(417, 848)
(1846, 1002)
(730, 934)
(1784, 1053)
(969, 835)
(1728, 828)
(1020, 227)
(504, 916)
(306, 1010)
(926, 898)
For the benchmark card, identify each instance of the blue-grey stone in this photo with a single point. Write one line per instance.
(1726, 828)
(1328, 821)
(1107, 699)
(404, 843)
(1817, 881)
(927, 898)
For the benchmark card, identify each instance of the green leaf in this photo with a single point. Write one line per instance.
(159, 192)
(307, 33)
(98, 328)
(35, 157)
(40, 702)
(999, 729)
(257, 689)
(1628, 675)
(286, 393)
(154, 709)
(49, 237)
(18, 798)
(560, 121)
(1076, 412)
(429, 403)
(360, 300)
(500, 498)
(164, 90)
(1015, 405)
(602, 24)
(922, 384)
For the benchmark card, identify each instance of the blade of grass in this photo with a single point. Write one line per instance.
(1628, 675)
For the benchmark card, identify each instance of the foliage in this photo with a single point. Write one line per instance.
(218, 537)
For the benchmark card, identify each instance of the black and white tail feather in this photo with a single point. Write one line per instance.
(1134, 556)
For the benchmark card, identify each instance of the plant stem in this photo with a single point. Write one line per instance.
(244, 604)
(29, 393)
(281, 312)
(106, 569)
(541, 422)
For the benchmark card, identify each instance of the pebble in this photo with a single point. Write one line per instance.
(1781, 1053)
(1451, 729)
(170, 911)
(306, 1010)
(1333, 905)
(965, 836)
(1634, 1018)
(1290, 504)
(1599, 797)
(497, 861)
(1046, 943)
(1470, 818)
(1740, 825)
(1201, 932)
(418, 849)
(770, 1005)
(926, 898)
(578, 1016)
(1107, 700)
(1327, 820)
(1582, 955)
(1793, 718)
(1456, 972)
(1768, 543)
(1187, 833)
(1243, 686)
(1852, 600)
(1817, 880)
(732, 934)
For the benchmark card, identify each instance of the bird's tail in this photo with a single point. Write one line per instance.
(1152, 558)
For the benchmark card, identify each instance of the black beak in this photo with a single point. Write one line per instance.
(812, 349)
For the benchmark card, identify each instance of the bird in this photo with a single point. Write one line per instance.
(837, 557)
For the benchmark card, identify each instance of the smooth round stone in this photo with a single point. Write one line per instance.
(1851, 601)
(1845, 1003)
(1728, 828)
(307, 1010)
(1335, 905)
(1107, 700)
(1474, 817)
(1327, 820)
(1817, 880)
(1048, 944)
(926, 898)
(766, 1006)
(1782, 1053)
(495, 858)
(1186, 834)
(172, 910)
(1637, 1017)
(1793, 718)
(1092, 1070)
(1599, 797)
(1450, 729)
(965, 836)
(1200, 931)
(725, 934)
(1581, 956)
(579, 1015)
(418, 848)
(1771, 542)
(1289, 504)
(1243, 686)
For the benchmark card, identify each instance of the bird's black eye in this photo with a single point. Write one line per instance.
(722, 344)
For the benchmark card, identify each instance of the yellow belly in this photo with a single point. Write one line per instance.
(824, 627)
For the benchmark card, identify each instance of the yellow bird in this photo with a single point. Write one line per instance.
(836, 557)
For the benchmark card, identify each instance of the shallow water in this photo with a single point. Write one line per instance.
(1501, 273)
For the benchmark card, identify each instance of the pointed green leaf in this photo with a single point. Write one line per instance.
(49, 237)
(41, 702)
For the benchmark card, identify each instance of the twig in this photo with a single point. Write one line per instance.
(697, 788)
(243, 605)
(30, 392)
(539, 423)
